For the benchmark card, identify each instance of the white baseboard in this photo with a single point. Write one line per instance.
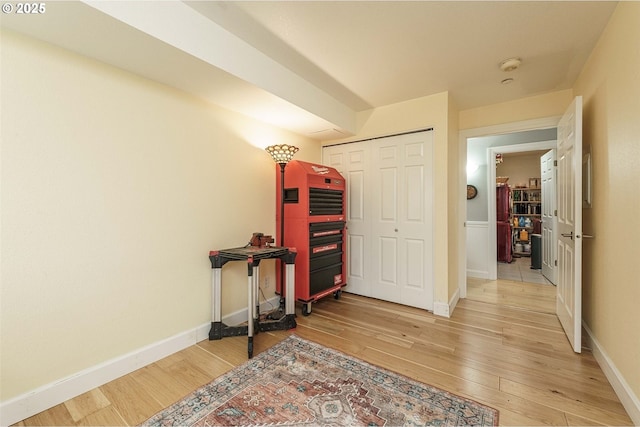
(444, 309)
(49, 395)
(627, 397)
(478, 274)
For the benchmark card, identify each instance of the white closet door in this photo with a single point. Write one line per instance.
(389, 216)
(402, 223)
(352, 161)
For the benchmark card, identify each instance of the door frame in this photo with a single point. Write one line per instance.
(463, 136)
(491, 194)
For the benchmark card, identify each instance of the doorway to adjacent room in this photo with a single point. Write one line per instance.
(481, 217)
(522, 174)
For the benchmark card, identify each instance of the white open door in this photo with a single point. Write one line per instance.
(569, 292)
(549, 218)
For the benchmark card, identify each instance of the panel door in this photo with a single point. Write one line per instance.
(352, 161)
(569, 292)
(402, 223)
(549, 218)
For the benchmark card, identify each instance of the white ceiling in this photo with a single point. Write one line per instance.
(311, 66)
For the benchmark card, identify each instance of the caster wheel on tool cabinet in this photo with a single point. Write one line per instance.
(337, 294)
(306, 309)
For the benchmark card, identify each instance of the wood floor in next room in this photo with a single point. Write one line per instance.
(503, 347)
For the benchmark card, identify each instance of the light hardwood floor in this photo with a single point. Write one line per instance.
(503, 347)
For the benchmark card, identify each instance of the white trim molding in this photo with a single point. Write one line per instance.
(478, 258)
(463, 135)
(624, 392)
(49, 395)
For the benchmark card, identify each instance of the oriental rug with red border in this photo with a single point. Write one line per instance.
(301, 383)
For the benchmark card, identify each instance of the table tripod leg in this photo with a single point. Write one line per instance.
(256, 293)
(290, 301)
(216, 317)
(250, 308)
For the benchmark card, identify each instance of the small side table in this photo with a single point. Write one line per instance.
(252, 255)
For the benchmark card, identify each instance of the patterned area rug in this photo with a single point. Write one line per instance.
(297, 382)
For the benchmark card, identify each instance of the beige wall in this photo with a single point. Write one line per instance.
(454, 186)
(610, 86)
(421, 113)
(519, 168)
(114, 189)
(535, 107)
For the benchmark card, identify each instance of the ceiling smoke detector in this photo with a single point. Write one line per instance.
(510, 64)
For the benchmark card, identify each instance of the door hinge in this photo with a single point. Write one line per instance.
(555, 163)
(555, 212)
(556, 263)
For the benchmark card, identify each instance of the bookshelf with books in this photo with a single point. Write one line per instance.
(526, 209)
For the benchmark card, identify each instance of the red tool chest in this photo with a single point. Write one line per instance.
(314, 213)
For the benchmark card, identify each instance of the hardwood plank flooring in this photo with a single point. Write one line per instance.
(503, 346)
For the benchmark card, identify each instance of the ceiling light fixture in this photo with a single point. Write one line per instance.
(510, 64)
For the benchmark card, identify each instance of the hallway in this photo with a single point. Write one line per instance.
(517, 286)
(512, 293)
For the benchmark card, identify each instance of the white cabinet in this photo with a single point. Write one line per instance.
(389, 216)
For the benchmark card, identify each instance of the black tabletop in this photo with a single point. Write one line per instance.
(253, 251)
